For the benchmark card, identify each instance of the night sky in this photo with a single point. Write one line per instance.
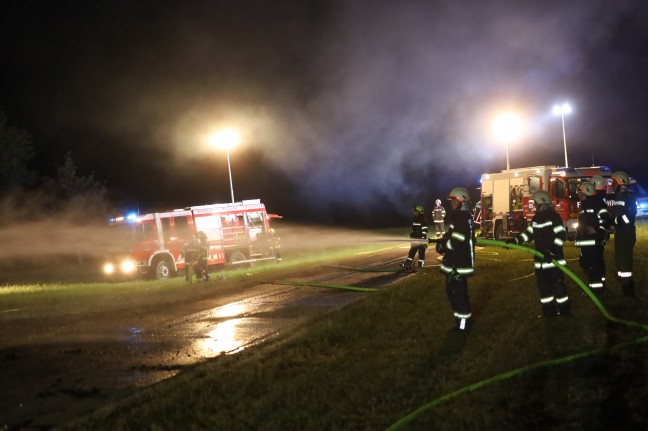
(351, 112)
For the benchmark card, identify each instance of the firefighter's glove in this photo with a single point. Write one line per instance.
(440, 247)
(590, 230)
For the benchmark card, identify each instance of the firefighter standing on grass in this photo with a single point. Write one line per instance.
(623, 206)
(438, 216)
(593, 218)
(201, 265)
(419, 231)
(458, 249)
(548, 235)
(190, 254)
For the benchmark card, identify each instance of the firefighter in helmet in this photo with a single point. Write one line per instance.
(548, 235)
(600, 184)
(591, 235)
(201, 265)
(190, 254)
(458, 249)
(419, 231)
(438, 216)
(623, 206)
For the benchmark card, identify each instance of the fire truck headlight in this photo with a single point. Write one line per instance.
(109, 268)
(128, 266)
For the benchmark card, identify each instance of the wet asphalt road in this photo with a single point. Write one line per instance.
(58, 368)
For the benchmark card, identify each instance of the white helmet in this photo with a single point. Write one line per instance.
(460, 194)
(437, 202)
(586, 188)
(541, 197)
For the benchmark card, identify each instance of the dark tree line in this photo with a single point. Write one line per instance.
(24, 192)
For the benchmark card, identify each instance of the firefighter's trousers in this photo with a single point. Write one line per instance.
(457, 292)
(593, 263)
(624, 241)
(420, 248)
(438, 229)
(553, 292)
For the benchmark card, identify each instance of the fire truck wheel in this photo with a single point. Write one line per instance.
(237, 256)
(162, 269)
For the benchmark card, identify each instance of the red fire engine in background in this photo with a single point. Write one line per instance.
(237, 233)
(506, 207)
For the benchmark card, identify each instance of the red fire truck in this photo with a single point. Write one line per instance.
(506, 207)
(237, 233)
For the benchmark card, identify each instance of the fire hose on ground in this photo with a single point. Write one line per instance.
(519, 371)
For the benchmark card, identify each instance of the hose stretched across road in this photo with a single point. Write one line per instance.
(402, 423)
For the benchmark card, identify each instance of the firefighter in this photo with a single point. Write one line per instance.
(438, 216)
(623, 206)
(548, 235)
(591, 235)
(419, 231)
(458, 249)
(600, 184)
(190, 254)
(201, 264)
(274, 244)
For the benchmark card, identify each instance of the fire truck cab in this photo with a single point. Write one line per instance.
(236, 232)
(506, 207)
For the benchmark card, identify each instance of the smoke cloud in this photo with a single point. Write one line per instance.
(366, 106)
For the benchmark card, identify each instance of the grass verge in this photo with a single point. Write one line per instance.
(381, 358)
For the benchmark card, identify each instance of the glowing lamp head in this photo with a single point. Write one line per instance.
(507, 127)
(563, 109)
(225, 139)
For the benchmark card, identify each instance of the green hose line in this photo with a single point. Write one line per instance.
(519, 371)
(506, 376)
(333, 286)
(563, 268)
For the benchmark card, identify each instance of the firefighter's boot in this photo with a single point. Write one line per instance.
(421, 264)
(407, 266)
(564, 308)
(628, 287)
(463, 324)
(548, 309)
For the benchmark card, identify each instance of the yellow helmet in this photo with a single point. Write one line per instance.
(419, 209)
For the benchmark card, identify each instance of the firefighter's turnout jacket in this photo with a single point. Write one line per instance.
(548, 234)
(438, 214)
(623, 206)
(419, 231)
(593, 219)
(591, 233)
(419, 227)
(458, 244)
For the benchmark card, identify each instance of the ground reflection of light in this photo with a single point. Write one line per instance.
(223, 338)
(229, 310)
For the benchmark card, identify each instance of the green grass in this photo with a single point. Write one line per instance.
(381, 358)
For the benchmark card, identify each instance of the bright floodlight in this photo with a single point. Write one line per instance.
(226, 139)
(565, 108)
(562, 110)
(507, 127)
